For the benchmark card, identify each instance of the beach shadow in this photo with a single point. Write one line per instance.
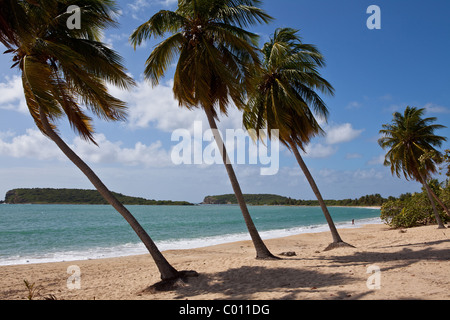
(429, 243)
(241, 283)
(402, 258)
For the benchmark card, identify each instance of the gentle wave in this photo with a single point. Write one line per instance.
(130, 249)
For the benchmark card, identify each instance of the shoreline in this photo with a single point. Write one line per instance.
(413, 264)
(118, 251)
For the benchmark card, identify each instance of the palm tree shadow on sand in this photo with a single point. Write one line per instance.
(403, 258)
(242, 283)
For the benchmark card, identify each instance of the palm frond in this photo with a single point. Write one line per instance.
(160, 23)
(407, 138)
(162, 57)
(289, 81)
(65, 71)
(217, 57)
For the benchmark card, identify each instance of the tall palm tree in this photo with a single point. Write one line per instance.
(285, 96)
(64, 69)
(216, 58)
(407, 138)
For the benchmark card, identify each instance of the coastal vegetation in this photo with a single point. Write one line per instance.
(76, 196)
(412, 210)
(273, 199)
(409, 139)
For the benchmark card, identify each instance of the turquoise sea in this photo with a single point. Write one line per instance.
(46, 233)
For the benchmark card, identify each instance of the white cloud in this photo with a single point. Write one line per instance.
(12, 96)
(367, 174)
(429, 107)
(348, 176)
(111, 39)
(318, 150)
(113, 152)
(377, 160)
(139, 6)
(434, 108)
(353, 105)
(33, 144)
(157, 107)
(342, 133)
(168, 3)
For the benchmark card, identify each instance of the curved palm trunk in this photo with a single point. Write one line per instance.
(261, 250)
(337, 241)
(436, 213)
(166, 270)
(440, 202)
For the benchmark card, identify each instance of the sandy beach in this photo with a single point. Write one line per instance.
(399, 264)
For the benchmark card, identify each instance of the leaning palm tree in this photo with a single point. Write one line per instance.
(407, 138)
(283, 102)
(63, 70)
(216, 58)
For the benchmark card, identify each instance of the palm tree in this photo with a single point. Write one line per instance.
(216, 58)
(407, 138)
(62, 69)
(283, 101)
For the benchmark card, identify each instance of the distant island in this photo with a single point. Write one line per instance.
(76, 196)
(273, 199)
(81, 196)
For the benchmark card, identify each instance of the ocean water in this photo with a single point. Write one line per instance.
(49, 233)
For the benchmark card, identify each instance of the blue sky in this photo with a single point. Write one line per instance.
(374, 73)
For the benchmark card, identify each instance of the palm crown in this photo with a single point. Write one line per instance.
(287, 88)
(408, 137)
(216, 55)
(62, 68)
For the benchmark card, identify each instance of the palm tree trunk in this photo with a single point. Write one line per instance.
(166, 270)
(436, 213)
(261, 250)
(440, 202)
(337, 241)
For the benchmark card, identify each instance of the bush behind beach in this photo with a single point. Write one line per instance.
(413, 210)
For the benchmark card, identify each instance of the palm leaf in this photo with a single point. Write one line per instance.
(289, 81)
(407, 138)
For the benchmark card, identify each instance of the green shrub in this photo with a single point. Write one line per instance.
(410, 212)
(390, 210)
